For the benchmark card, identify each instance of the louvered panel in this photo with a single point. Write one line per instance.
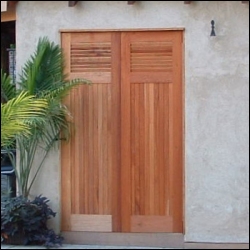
(90, 57)
(151, 57)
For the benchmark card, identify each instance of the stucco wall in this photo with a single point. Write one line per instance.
(216, 99)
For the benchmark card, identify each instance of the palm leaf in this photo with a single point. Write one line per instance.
(19, 115)
(8, 90)
(43, 72)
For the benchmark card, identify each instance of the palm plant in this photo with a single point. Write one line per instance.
(42, 76)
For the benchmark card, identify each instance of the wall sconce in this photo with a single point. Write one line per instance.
(212, 29)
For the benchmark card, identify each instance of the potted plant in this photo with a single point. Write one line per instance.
(24, 222)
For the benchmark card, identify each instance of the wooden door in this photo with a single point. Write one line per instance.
(90, 162)
(151, 135)
(122, 170)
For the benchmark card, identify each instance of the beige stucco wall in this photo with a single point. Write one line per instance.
(216, 99)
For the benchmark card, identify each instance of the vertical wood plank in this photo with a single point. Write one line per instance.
(146, 148)
(171, 151)
(87, 148)
(125, 134)
(167, 158)
(157, 165)
(95, 154)
(133, 149)
(101, 109)
(151, 146)
(90, 139)
(142, 149)
(109, 116)
(76, 148)
(178, 134)
(136, 177)
(72, 152)
(106, 149)
(115, 127)
(82, 146)
(65, 152)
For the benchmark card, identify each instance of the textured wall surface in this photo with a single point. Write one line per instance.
(216, 84)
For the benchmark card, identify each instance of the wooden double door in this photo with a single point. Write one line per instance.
(122, 169)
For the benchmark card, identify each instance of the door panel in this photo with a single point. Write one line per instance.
(122, 170)
(151, 132)
(89, 161)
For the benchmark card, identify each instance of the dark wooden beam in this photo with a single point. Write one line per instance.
(72, 3)
(131, 2)
(187, 2)
(12, 3)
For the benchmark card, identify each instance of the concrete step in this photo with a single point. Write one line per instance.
(68, 246)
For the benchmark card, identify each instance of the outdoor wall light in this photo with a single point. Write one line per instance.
(212, 29)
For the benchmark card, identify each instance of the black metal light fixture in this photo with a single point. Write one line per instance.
(212, 27)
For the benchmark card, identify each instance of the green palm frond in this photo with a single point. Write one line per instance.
(19, 115)
(42, 68)
(8, 90)
(43, 72)
(60, 90)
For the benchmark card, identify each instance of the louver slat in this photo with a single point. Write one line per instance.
(91, 57)
(151, 57)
